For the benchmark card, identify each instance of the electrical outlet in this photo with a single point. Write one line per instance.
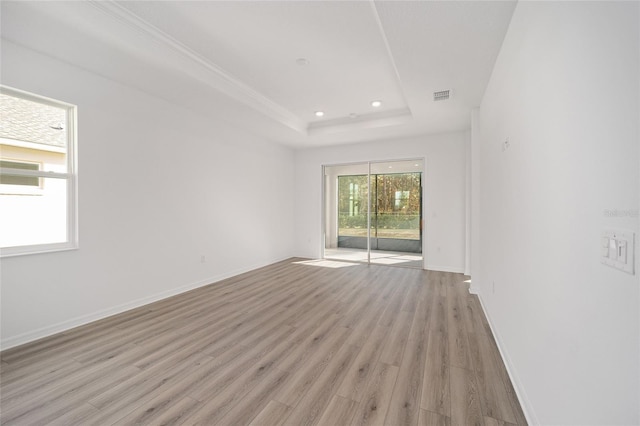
(203, 259)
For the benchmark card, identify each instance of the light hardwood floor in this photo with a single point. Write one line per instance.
(295, 343)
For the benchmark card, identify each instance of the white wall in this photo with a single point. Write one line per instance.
(565, 92)
(444, 183)
(159, 187)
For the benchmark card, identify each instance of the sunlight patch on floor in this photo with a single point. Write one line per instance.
(326, 263)
(378, 257)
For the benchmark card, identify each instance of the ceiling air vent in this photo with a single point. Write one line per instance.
(443, 95)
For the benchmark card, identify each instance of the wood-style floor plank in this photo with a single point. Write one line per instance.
(435, 385)
(292, 343)
(119, 401)
(354, 382)
(459, 352)
(340, 411)
(273, 413)
(75, 416)
(489, 421)
(511, 393)
(493, 394)
(429, 418)
(405, 399)
(374, 405)
(465, 404)
(394, 346)
(312, 405)
(42, 408)
(311, 364)
(256, 400)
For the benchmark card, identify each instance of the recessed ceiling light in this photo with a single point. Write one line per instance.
(302, 61)
(391, 167)
(376, 104)
(416, 165)
(319, 113)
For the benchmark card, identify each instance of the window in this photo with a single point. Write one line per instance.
(19, 180)
(37, 174)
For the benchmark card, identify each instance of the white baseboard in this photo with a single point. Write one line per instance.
(455, 269)
(49, 330)
(527, 408)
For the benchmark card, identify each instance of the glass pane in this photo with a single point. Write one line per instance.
(6, 179)
(397, 212)
(396, 232)
(33, 132)
(34, 216)
(353, 206)
(346, 210)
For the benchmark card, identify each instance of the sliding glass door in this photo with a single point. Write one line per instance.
(373, 212)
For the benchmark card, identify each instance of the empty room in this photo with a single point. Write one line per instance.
(319, 212)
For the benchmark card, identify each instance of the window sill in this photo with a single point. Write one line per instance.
(36, 249)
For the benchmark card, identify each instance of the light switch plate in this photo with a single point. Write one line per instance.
(618, 250)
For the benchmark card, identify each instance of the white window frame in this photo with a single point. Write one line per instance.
(71, 176)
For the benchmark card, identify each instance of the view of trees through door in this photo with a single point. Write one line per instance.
(377, 212)
(395, 209)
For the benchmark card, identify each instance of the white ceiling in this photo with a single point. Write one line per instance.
(236, 60)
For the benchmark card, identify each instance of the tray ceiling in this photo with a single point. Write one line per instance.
(274, 64)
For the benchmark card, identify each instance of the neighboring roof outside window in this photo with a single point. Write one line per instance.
(34, 122)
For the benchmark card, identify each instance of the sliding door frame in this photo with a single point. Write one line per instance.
(422, 224)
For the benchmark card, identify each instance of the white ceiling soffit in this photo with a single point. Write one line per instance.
(394, 51)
